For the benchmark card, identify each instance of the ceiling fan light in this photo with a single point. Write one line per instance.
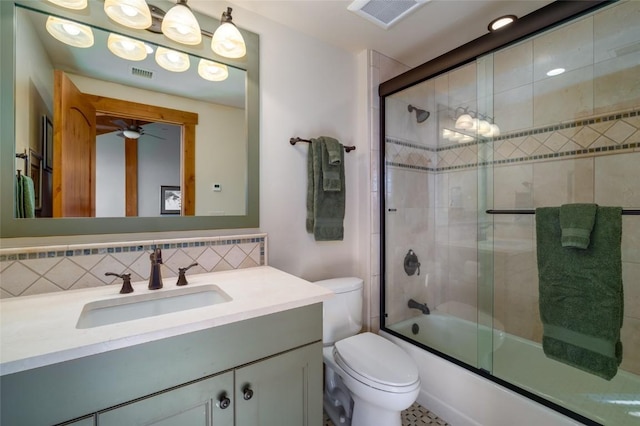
(70, 32)
(126, 48)
(131, 134)
(172, 60)
(212, 71)
(70, 4)
(130, 13)
(180, 25)
(227, 40)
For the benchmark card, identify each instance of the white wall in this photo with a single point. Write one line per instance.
(307, 89)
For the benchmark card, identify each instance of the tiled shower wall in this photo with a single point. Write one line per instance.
(45, 269)
(591, 154)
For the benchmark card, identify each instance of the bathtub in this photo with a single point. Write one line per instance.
(462, 397)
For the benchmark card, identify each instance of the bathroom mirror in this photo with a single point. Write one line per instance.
(224, 167)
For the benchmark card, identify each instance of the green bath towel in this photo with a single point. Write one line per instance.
(325, 209)
(332, 165)
(25, 202)
(576, 222)
(29, 197)
(581, 298)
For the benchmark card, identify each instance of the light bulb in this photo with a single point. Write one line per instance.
(212, 71)
(484, 128)
(228, 42)
(172, 60)
(464, 122)
(126, 48)
(70, 4)
(130, 13)
(69, 32)
(180, 24)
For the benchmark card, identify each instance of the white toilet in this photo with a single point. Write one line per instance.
(368, 379)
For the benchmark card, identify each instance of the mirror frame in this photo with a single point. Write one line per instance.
(11, 227)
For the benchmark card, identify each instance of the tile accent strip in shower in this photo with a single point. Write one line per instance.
(586, 137)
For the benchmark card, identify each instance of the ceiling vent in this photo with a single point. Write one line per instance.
(139, 72)
(384, 13)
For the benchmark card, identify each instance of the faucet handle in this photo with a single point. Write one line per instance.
(182, 279)
(126, 282)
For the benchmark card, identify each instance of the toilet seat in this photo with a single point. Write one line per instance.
(377, 362)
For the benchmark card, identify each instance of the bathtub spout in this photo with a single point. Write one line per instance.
(421, 306)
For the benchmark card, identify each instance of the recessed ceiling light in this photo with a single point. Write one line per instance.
(555, 71)
(501, 22)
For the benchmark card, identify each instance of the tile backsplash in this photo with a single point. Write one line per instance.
(45, 269)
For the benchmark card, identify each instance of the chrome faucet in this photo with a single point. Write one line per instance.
(155, 277)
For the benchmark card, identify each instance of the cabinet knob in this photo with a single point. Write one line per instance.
(224, 402)
(247, 393)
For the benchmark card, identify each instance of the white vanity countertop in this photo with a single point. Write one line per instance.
(40, 330)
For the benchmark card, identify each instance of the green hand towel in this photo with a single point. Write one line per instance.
(581, 298)
(332, 164)
(325, 209)
(28, 197)
(576, 222)
(19, 203)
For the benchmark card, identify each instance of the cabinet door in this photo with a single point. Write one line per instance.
(194, 405)
(283, 390)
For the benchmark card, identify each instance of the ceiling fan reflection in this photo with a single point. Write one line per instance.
(129, 130)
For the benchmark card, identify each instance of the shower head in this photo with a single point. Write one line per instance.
(421, 115)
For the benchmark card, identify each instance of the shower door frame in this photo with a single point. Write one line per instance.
(552, 15)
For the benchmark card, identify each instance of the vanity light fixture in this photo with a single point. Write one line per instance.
(126, 48)
(69, 32)
(501, 22)
(130, 13)
(181, 25)
(227, 40)
(212, 71)
(465, 121)
(475, 122)
(70, 4)
(172, 60)
(555, 71)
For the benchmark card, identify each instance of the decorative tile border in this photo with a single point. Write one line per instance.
(43, 269)
(593, 136)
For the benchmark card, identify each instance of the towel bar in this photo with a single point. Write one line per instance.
(624, 212)
(25, 157)
(295, 140)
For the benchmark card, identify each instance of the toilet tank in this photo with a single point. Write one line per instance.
(341, 314)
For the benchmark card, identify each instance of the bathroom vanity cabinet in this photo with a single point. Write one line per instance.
(265, 370)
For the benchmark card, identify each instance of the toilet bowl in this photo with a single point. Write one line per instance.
(368, 379)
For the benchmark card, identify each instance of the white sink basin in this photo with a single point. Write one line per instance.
(111, 311)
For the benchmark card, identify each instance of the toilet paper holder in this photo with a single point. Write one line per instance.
(411, 263)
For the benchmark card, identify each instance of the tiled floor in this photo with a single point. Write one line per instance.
(416, 415)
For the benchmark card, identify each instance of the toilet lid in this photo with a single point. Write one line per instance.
(376, 359)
